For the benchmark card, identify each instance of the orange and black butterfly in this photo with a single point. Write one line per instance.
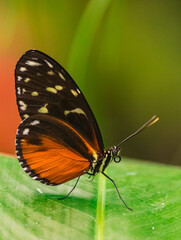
(58, 139)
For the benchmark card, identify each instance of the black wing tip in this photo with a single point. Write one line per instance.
(37, 53)
(33, 51)
(30, 52)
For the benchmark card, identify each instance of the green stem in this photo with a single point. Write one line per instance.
(100, 208)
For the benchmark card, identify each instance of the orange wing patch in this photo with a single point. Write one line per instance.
(53, 162)
(52, 151)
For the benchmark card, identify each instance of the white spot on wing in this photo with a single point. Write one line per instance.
(51, 89)
(35, 177)
(22, 69)
(74, 92)
(18, 90)
(35, 122)
(19, 78)
(43, 109)
(32, 63)
(50, 73)
(29, 173)
(76, 110)
(27, 80)
(78, 91)
(25, 115)
(23, 106)
(26, 131)
(58, 87)
(61, 76)
(25, 168)
(23, 90)
(34, 94)
(17, 132)
(49, 64)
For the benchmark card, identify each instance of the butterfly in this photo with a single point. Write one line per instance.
(58, 139)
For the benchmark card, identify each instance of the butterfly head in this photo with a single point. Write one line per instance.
(115, 151)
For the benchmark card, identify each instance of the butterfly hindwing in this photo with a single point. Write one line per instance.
(44, 87)
(51, 151)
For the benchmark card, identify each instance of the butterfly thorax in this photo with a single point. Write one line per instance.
(111, 154)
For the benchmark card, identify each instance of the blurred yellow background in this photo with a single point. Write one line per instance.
(124, 55)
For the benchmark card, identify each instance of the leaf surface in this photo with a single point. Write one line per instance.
(30, 210)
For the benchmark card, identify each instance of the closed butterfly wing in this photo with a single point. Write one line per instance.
(44, 87)
(51, 151)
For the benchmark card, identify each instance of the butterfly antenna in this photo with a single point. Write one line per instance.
(71, 190)
(153, 120)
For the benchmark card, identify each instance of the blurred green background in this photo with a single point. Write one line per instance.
(124, 55)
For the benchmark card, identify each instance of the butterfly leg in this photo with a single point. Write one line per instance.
(90, 175)
(117, 190)
(71, 190)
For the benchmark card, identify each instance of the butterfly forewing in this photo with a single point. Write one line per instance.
(52, 151)
(44, 87)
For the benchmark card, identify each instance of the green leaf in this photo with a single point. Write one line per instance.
(84, 37)
(30, 210)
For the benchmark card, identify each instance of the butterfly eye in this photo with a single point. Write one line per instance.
(117, 159)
